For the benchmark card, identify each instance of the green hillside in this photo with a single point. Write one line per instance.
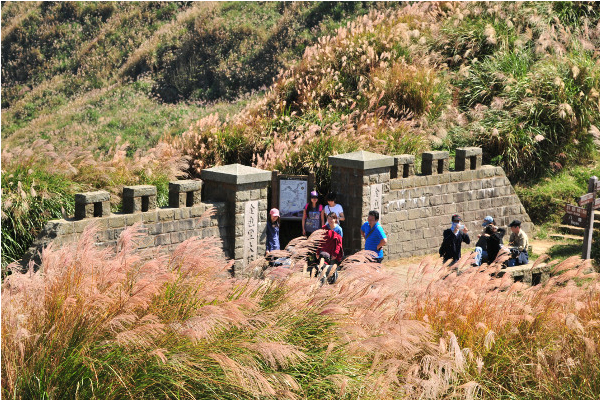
(98, 94)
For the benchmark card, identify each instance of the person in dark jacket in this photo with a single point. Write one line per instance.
(494, 236)
(453, 238)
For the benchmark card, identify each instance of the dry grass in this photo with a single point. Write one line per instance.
(178, 324)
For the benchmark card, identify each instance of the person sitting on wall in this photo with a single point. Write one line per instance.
(518, 243)
(453, 238)
(495, 237)
(374, 235)
(482, 242)
(331, 248)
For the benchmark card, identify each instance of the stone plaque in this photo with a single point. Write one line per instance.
(376, 195)
(251, 232)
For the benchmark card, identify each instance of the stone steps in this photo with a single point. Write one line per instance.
(561, 236)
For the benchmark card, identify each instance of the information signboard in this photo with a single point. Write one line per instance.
(586, 199)
(577, 211)
(293, 193)
(574, 220)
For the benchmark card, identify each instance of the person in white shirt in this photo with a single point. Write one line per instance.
(333, 207)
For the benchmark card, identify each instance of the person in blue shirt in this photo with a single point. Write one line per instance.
(273, 231)
(374, 235)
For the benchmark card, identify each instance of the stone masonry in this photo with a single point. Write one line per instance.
(414, 208)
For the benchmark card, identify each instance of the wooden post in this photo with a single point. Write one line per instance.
(589, 226)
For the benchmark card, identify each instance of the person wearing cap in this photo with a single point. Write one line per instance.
(482, 242)
(518, 243)
(312, 216)
(273, 231)
(453, 238)
(375, 237)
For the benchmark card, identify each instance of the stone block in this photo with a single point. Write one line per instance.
(434, 162)
(162, 240)
(92, 204)
(150, 217)
(404, 166)
(166, 214)
(116, 221)
(361, 160)
(468, 158)
(131, 219)
(184, 193)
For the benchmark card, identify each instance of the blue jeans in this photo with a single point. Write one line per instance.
(521, 259)
(479, 255)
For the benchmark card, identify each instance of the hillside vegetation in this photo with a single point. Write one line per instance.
(125, 93)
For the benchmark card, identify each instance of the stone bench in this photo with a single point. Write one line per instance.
(434, 162)
(404, 166)
(468, 158)
(92, 204)
(527, 273)
(140, 198)
(185, 193)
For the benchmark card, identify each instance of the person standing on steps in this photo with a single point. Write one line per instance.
(273, 231)
(375, 237)
(453, 238)
(332, 206)
(312, 216)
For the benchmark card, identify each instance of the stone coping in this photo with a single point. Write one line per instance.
(468, 151)
(92, 197)
(139, 190)
(361, 160)
(435, 155)
(188, 185)
(236, 174)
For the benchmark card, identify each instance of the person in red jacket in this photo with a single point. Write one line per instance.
(331, 248)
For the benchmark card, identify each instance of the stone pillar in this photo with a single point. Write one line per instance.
(140, 198)
(360, 179)
(244, 190)
(468, 158)
(404, 166)
(92, 204)
(434, 162)
(184, 193)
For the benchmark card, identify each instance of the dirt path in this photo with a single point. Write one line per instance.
(403, 265)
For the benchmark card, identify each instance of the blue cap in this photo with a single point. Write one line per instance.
(487, 220)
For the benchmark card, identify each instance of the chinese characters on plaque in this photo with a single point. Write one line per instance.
(376, 198)
(251, 232)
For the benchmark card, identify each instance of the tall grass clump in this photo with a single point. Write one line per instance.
(351, 90)
(529, 84)
(38, 184)
(98, 323)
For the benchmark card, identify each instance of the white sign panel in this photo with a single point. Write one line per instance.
(292, 197)
(376, 194)
(251, 232)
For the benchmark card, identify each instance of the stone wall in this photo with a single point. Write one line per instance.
(236, 196)
(414, 209)
(165, 227)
